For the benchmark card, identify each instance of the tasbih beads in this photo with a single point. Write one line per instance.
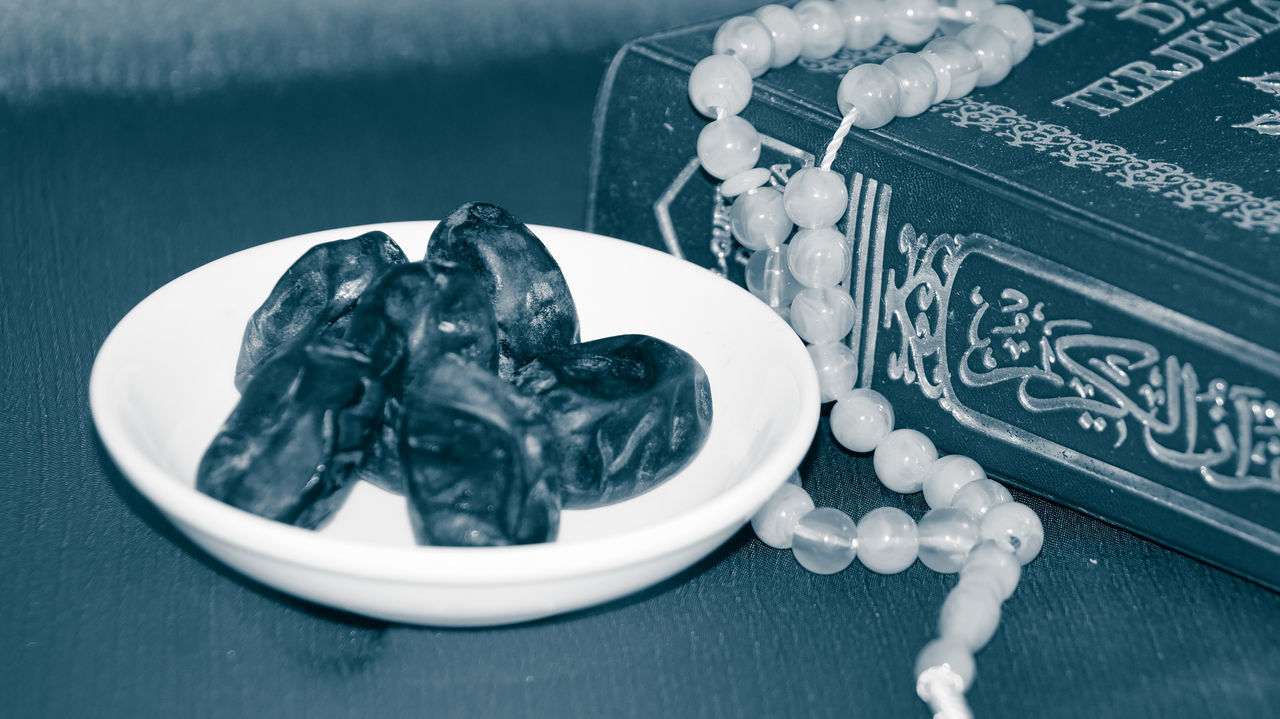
(799, 257)
(973, 528)
(799, 262)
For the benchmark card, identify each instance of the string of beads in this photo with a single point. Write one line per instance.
(973, 528)
(800, 260)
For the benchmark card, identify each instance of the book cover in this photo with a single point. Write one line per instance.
(1072, 276)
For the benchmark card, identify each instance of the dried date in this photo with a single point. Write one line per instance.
(410, 317)
(303, 425)
(630, 411)
(480, 460)
(531, 300)
(314, 296)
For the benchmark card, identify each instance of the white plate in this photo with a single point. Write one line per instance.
(162, 385)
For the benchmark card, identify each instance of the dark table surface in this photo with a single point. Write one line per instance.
(108, 612)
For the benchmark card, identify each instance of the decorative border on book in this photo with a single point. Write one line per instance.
(722, 244)
(954, 339)
(846, 59)
(1231, 202)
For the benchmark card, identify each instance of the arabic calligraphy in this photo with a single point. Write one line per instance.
(1057, 362)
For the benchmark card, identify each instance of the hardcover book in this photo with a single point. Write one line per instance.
(1072, 276)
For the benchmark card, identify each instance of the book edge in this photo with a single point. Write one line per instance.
(598, 114)
(1209, 268)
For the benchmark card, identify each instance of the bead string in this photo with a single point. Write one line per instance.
(943, 690)
(973, 526)
(989, 40)
(838, 139)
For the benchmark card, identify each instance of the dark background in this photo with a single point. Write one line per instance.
(138, 142)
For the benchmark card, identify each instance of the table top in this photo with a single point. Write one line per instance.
(109, 612)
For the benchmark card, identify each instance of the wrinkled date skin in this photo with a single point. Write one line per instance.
(305, 422)
(531, 300)
(630, 411)
(314, 296)
(479, 458)
(418, 311)
(411, 316)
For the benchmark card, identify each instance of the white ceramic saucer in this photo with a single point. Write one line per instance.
(162, 385)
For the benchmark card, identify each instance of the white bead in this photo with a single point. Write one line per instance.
(985, 585)
(947, 475)
(995, 54)
(954, 60)
(1015, 526)
(872, 90)
(948, 653)
(784, 28)
(758, 219)
(946, 536)
(825, 541)
(903, 459)
(747, 39)
(964, 13)
(860, 419)
(917, 82)
(837, 368)
(775, 523)
(822, 314)
(720, 81)
(821, 28)
(815, 197)
(818, 258)
(911, 22)
(1016, 27)
(863, 22)
(728, 146)
(887, 540)
(992, 564)
(744, 181)
(769, 278)
(941, 74)
(969, 617)
(979, 496)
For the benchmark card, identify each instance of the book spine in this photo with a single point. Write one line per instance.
(1008, 327)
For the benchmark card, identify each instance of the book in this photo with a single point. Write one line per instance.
(1072, 276)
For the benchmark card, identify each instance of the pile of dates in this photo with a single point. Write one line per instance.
(458, 381)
